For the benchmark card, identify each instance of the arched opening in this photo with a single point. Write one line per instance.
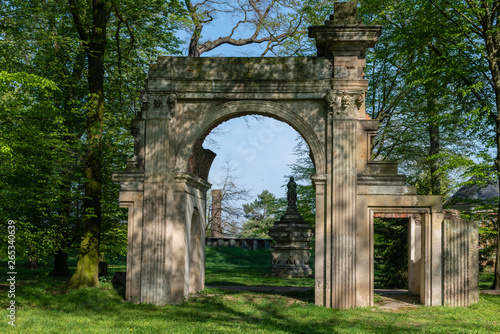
(196, 250)
(260, 151)
(194, 159)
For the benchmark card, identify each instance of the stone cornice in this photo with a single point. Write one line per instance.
(185, 89)
(192, 180)
(127, 176)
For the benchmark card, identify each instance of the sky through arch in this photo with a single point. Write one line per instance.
(260, 150)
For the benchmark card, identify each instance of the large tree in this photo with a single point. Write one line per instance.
(92, 20)
(97, 52)
(261, 214)
(48, 53)
(415, 94)
(478, 22)
(439, 63)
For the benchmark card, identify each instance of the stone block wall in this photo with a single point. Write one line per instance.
(245, 243)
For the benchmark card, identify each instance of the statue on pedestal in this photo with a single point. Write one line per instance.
(291, 234)
(291, 194)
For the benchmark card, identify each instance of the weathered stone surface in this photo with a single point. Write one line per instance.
(323, 98)
(285, 69)
(460, 262)
(292, 235)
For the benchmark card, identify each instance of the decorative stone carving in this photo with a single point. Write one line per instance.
(172, 105)
(145, 104)
(137, 130)
(163, 106)
(359, 99)
(344, 104)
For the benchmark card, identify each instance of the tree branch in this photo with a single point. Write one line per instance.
(80, 27)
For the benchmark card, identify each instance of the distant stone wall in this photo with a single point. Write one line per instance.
(245, 243)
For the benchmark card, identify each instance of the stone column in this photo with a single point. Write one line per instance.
(414, 254)
(154, 282)
(431, 280)
(216, 228)
(319, 182)
(158, 200)
(132, 197)
(344, 39)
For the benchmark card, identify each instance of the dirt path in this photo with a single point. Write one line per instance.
(386, 299)
(262, 288)
(396, 299)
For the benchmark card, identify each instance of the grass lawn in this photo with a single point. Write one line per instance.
(43, 307)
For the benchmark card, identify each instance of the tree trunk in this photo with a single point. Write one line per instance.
(496, 282)
(193, 50)
(60, 265)
(434, 147)
(87, 269)
(32, 264)
(433, 122)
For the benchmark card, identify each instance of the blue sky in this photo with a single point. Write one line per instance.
(260, 152)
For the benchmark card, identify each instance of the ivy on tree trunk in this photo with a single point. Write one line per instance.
(87, 269)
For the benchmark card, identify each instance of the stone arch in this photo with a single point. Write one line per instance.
(202, 126)
(323, 98)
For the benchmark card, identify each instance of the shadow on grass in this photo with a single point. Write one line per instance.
(103, 309)
(297, 293)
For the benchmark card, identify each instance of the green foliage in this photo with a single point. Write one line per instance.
(486, 214)
(43, 306)
(302, 170)
(114, 241)
(436, 76)
(391, 253)
(419, 73)
(45, 100)
(261, 215)
(33, 136)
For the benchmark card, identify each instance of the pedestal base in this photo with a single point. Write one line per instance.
(291, 271)
(288, 262)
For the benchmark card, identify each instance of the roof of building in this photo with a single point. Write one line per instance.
(475, 193)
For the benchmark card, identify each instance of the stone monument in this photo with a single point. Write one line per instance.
(292, 234)
(323, 98)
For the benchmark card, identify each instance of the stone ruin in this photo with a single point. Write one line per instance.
(322, 98)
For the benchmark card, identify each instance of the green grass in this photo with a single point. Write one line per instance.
(486, 278)
(235, 266)
(44, 307)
